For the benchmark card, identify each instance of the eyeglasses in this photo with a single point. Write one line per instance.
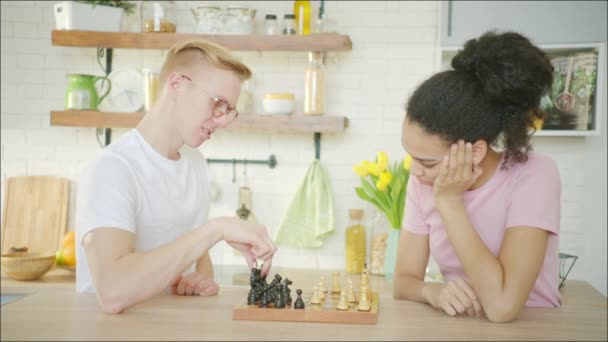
(221, 109)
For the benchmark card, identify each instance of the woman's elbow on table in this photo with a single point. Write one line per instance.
(502, 312)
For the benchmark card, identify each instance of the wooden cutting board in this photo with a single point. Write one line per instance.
(35, 212)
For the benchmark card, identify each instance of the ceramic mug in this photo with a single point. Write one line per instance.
(81, 93)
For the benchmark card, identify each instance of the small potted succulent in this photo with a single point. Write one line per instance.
(92, 15)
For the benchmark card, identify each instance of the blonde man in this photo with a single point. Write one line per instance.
(142, 224)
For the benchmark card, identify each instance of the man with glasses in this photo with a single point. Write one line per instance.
(142, 222)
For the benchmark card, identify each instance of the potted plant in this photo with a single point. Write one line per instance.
(91, 15)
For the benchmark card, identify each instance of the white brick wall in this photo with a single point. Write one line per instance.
(394, 49)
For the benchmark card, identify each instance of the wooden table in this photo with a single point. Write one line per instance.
(52, 310)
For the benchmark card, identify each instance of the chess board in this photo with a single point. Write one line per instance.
(325, 312)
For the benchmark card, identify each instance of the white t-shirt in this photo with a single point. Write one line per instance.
(130, 186)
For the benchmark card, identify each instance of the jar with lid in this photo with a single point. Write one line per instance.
(158, 16)
(314, 88)
(355, 242)
(289, 24)
(271, 26)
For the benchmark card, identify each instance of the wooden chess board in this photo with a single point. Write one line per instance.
(325, 312)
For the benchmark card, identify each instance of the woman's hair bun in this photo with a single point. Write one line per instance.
(510, 69)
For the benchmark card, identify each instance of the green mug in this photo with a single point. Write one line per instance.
(81, 93)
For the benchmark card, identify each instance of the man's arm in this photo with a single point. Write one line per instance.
(123, 277)
(204, 265)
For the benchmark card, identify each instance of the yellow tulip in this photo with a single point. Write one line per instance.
(381, 185)
(382, 161)
(361, 170)
(407, 162)
(366, 163)
(386, 177)
(374, 169)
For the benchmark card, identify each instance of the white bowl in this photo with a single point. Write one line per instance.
(279, 103)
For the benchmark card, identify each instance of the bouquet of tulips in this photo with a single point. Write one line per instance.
(384, 185)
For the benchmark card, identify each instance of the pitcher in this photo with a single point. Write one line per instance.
(81, 93)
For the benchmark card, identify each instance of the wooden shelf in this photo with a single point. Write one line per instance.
(133, 40)
(245, 122)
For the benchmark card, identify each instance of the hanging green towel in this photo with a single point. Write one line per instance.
(310, 215)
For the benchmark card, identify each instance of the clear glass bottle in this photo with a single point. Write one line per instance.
(380, 229)
(355, 242)
(302, 12)
(314, 89)
(289, 24)
(158, 16)
(245, 103)
(271, 25)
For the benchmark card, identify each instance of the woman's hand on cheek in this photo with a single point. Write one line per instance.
(457, 173)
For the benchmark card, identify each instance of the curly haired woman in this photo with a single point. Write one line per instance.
(484, 205)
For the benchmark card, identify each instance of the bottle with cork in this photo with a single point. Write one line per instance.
(355, 242)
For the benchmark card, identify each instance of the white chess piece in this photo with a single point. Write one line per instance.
(335, 288)
(342, 304)
(315, 296)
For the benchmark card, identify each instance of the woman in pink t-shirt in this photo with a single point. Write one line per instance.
(489, 216)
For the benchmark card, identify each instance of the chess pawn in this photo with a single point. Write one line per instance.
(342, 304)
(315, 296)
(299, 303)
(321, 293)
(364, 301)
(279, 302)
(322, 286)
(335, 288)
(264, 300)
(351, 292)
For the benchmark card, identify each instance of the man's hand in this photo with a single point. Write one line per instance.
(194, 284)
(456, 297)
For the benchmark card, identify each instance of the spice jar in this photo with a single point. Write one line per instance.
(289, 24)
(355, 242)
(271, 25)
(158, 16)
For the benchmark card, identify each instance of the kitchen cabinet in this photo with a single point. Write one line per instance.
(562, 29)
(544, 22)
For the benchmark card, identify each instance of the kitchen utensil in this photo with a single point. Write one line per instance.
(81, 93)
(565, 101)
(35, 213)
(27, 265)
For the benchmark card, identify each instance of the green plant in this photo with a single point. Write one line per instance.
(128, 6)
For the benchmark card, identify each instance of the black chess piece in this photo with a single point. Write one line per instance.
(251, 297)
(279, 300)
(264, 301)
(299, 303)
(287, 291)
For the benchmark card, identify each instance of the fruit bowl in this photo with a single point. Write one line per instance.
(27, 265)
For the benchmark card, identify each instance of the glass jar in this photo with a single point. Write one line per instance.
(314, 89)
(380, 230)
(158, 16)
(289, 24)
(355, 242)
(271, 26)
(209, 19)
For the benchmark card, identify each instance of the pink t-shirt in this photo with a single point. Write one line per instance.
(526, 194)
